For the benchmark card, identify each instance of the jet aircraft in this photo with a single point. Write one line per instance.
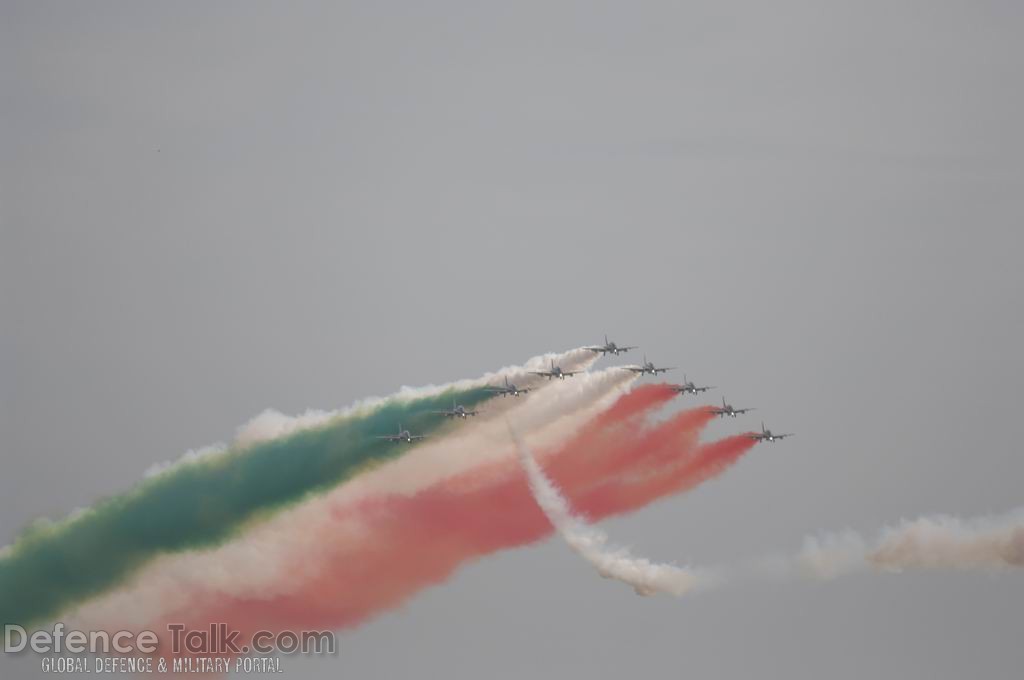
(728, 410)
(648, 367)
(401, 436)
(555, 372)
(689, 388)
(456, 411)
(507, 389)
(609, 348)
(767, 435)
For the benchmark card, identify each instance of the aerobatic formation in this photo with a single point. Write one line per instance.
(555, 371)
(329, 518)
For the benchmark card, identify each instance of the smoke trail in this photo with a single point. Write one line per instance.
(301, 539)
(590, 543)
(53, 565)
(272, 424)
(332, 563)
(208, 496)
(354, 565)
(686, 464)
(932, 542)
(411, 542)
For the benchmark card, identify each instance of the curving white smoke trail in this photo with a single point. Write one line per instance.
(591, 544)
(930, 542)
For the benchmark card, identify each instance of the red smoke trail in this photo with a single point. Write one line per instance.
(605, 444)
(689, 470)
(414, 542)
(650, 448)
(604, 433)
(639, 401)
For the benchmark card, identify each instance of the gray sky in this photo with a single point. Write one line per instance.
(210, 209)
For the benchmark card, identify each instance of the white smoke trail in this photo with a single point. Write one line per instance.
(591, 544)
(931, 542)
(191, 456)
(272, 424)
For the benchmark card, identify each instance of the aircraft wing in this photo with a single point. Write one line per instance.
(417, 436)
(635, 369)
(783, 436)
(705, 388)
(626, 349)
(662, 370)
(742, 410)
(596, 349)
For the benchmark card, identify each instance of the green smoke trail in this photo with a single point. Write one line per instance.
(54, 566)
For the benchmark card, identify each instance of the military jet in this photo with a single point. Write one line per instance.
(456, 411)
(689, 388)
(401, 436)
(728, 410)
(609, 348)
(555, 372)
(507, 389)
(767, 435)
(648, 367)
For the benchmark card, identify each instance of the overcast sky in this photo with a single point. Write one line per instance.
(208, 209)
